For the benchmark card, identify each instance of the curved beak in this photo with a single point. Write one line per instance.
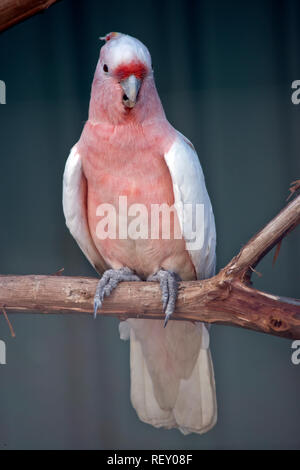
(131, 87)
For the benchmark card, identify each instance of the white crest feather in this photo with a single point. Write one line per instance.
(124, 48)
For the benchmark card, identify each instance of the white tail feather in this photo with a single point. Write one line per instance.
(194, 408)
(142, 393)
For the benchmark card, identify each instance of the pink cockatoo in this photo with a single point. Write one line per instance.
(129, 149)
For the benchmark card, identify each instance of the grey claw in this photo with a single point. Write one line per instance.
(168, 281)
(166, 320)
(97, 304)
(109, 281)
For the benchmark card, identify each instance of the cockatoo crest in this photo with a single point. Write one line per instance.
(109, 36)
(121, 49)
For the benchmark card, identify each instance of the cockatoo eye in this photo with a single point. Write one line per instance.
(105, 68)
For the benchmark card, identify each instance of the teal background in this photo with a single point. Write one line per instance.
(224, 72)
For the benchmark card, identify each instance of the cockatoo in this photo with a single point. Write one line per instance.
(128, 149)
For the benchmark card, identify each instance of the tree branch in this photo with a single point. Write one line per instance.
(265, 240)
(13, 12)
(226, 299)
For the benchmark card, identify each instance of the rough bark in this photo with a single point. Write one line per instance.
(226, 299)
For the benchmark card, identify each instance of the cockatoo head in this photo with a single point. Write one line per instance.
(123, 84)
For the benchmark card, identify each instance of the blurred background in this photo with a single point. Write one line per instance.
(224, 72)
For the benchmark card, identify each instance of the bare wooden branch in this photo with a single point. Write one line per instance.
(13, 12)
(265, 240)
(214, 300)
(226, 299)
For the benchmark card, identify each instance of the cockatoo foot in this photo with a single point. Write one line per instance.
(168, 281)
(109, 281)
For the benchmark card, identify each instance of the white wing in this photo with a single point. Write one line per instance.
(75, 209)
(189, 191)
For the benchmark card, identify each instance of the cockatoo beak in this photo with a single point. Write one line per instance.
(131, 87)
